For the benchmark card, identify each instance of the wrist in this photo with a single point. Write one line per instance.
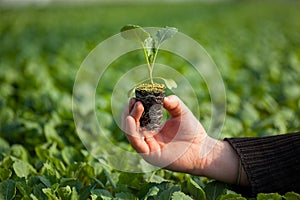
(217, 160)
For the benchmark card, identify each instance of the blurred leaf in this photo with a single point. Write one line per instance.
(292, 196)
(125, 196)
(19, 151)
(214, 189)
(180, 196)
(5, 174)
(153, 191)
(7, 190)
(22, 168)
(49, 193)
(195, 190)
(171, 84)
(105, 194)
(4, 147)
(273, 196)
(231, 197)
(166, 190)
(70, 155)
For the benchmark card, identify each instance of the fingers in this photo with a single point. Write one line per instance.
(173, 105)
(137, 111)
(133, 136)
(131, 126)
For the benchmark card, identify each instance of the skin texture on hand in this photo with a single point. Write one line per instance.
(182, 144)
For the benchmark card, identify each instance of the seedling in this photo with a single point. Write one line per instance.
(150, 94)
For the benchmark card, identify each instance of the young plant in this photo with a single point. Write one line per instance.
(150, 46)
(152, 94)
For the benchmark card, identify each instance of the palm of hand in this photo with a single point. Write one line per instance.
(173, 147)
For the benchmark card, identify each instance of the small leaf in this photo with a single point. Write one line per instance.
(153, 191)
(70, 155)
(149, 44)
(102, 193)
(86, 191)
(7, 190)
(49, 193)
(22, 168)
(109, 178)
(19, 151)
(166, 190)
(4, 146)
(64, 192)
(5, 173)
(170, 83)
(74, 195)
(214, 189)
(194, 189)
(165, 33)
(273, 196)
(231, 196)
(180, 196)
(134, 32)
(292, 196)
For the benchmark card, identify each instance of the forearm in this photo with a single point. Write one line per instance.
(271, 163)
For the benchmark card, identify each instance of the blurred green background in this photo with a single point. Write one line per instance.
(256, 46)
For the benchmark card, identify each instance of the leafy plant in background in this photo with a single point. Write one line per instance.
(41, 156)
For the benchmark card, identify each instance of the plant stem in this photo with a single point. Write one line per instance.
(154, 59)
(150, 66)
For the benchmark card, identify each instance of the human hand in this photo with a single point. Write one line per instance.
(177, 146)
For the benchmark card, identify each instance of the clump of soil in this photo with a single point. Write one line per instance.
(152, 98)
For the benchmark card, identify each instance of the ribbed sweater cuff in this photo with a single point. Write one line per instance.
(271, 163)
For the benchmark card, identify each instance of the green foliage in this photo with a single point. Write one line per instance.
(41, 156)
(150, 45)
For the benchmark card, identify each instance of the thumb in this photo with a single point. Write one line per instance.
(173, 105)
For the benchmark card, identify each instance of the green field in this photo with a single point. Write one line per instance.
(256, 47)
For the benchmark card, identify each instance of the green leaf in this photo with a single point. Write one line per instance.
(5, 174)
(292, 196)
(195, 190)
(74, 195)
(273, 196)
(109, 178)
(125, 196)
(153, 191)
(181, 196)
(102, 193)
(166, 190)
(170, 83)
(64, 192)
(86, 191)
(45, 181)
(149, 45)
(49, 193)
(134, 32)
(214, 189)
(132, 180)
(4, 147)
(7, 190)
(23, 187)
(22, 168)
(164, 34)
(70, 155)
(231, 197)
(19, 151)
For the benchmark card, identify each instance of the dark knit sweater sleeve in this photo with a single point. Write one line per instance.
(271, 163)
